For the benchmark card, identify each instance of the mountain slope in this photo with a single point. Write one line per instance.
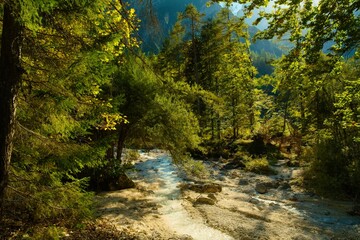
(157, 22)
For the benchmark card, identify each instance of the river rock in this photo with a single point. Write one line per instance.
(261, 188)
(205, 200)
(243, 182)
(185, 237)
(203, 188)
(124, 182)
(221, 178)
(272, 184)
(284, 186)
(212, 196)
(254, 201)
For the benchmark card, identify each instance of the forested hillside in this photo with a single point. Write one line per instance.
(79, 83)
(159, 17)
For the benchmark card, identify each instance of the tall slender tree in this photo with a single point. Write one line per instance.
(60, 36)
(10, 77)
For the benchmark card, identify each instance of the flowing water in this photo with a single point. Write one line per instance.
(162, 171)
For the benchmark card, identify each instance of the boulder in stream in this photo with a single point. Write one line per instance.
(203, 188)
(263, 187)
(122, 182)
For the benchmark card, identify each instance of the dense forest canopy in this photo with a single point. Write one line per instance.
(76, 88)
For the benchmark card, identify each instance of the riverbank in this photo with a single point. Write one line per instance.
(158, 209)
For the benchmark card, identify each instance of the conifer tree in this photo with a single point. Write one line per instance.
(60, 52)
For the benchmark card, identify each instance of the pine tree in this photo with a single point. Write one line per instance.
(58, 54)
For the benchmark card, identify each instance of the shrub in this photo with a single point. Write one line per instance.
(51, 200)
(130, 156)
(258, 165)
(39, 233)
(328, 171)
(194, 168)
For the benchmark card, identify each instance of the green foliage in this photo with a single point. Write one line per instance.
(47, 199)
(258, 165)
(70, 51)
(194, 168)
(330, 173)
(132, 155)
(51, 233)
(85, 88)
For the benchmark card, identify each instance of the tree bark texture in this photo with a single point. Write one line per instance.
(10, 75)
(123, 130)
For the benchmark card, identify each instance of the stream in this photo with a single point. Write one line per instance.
(162, 170)
(240, 211)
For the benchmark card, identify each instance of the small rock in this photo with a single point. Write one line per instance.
(261, 188)
(188, 198)
(185, 237)
(212, 196)
(272, 184)
(203, 188)
(274, 205)
(243, 182)
(254, 201)
(123, 182)
(221, 178)
(284, 186)
(204, 200)
(212, 188)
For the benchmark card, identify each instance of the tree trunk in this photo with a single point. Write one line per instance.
(284, 124)
(234, 120)
(123, 129)
(10, 75)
